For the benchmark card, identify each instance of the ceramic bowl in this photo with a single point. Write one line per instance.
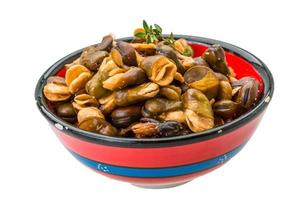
(164, 162)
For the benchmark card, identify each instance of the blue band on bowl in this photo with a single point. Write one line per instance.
(158, 172)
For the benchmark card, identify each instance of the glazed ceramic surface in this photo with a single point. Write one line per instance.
(164, 162)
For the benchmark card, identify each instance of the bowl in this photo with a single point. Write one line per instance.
(164, 162)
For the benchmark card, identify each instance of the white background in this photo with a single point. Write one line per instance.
(35, 34)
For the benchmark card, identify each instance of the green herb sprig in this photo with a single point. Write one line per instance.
(152, 33)
(169, 40)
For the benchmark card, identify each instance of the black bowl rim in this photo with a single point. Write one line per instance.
(170, 141)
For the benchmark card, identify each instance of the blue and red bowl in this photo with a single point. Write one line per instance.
(163, 162)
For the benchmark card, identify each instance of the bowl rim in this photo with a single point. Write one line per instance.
(168, 141)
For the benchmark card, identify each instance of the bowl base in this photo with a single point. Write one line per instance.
(160, 186)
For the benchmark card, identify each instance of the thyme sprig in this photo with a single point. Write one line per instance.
(151, 33)
(169, 40)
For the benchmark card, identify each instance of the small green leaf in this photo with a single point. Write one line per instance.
(157, 32)
(147, 38)
(158, 28)
(153, 38)
(169, 40)
(188, 51)
(171, 36)
(145, 25)
(140, 35)
(150, 28)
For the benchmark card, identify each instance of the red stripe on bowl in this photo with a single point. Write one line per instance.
(162, 156)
